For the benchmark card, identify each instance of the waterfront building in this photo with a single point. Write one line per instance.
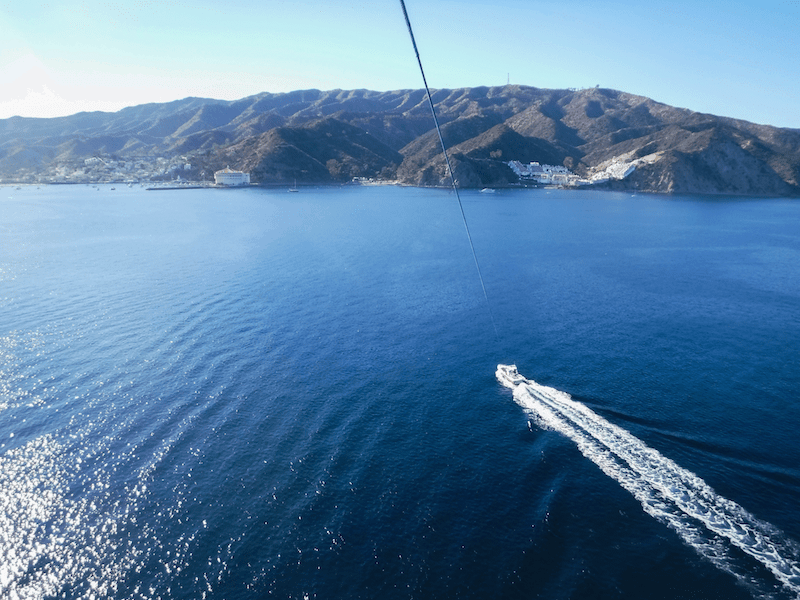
(228, 176)
(544, 174)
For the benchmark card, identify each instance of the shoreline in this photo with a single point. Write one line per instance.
(395, 183)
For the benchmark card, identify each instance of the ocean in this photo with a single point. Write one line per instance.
(245, 393)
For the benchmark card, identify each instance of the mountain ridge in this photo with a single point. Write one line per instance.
(332, 136)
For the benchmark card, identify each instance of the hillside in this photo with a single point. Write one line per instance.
(332, 136)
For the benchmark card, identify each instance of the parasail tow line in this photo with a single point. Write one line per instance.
(449, 167)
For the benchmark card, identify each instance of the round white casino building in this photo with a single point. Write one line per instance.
(228, 176)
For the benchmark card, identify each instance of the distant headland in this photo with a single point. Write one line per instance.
(497, 136)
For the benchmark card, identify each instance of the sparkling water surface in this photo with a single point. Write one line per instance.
(250, 394)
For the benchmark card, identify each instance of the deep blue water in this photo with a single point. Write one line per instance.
(231, 394)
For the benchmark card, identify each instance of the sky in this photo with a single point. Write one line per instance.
(733, 58)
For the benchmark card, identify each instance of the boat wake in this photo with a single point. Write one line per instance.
(710, 523)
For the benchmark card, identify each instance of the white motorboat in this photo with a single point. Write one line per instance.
(508, 376)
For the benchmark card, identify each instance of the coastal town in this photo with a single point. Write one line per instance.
(178, 170)
(109, 169)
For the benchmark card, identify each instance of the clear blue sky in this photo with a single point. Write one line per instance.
(733, 58)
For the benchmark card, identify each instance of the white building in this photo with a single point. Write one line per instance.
(544, 174)
(228, 176)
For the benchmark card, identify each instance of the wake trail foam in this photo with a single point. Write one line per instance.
(666, 491)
